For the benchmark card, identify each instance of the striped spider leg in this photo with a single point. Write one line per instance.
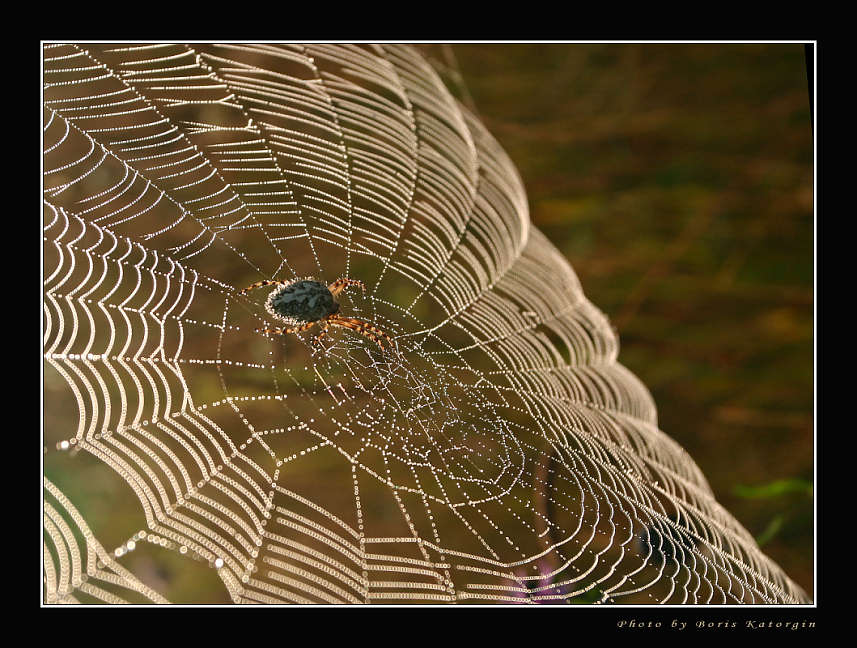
(316, 341)
(283, 331)
(364, 328)
(341, 284)
(264, 282)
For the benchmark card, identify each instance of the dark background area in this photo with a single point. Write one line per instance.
(678, 181)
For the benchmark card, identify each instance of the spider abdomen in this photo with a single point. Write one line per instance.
(304, 300)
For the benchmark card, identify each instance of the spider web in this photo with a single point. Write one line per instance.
(498, 453)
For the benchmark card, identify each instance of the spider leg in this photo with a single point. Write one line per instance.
(316, 341)
(264, 282)
(365, 333)
(341, 284)
(364, 328)
(283, 331)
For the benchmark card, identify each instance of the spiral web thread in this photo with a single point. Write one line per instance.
(498, 453)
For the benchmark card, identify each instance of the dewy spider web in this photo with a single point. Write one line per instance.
(498, 453)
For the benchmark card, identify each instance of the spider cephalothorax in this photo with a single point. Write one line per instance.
(302, 303)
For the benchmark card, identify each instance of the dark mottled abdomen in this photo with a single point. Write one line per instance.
(305, 300)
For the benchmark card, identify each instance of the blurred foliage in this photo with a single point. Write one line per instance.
(677, 179)
(795, 497)
(780, 487)
(771, 530)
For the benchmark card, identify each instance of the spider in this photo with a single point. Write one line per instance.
(302, 303)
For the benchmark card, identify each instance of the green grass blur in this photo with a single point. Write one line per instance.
(677, 180)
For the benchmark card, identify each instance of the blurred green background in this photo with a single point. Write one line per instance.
(678, 181)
